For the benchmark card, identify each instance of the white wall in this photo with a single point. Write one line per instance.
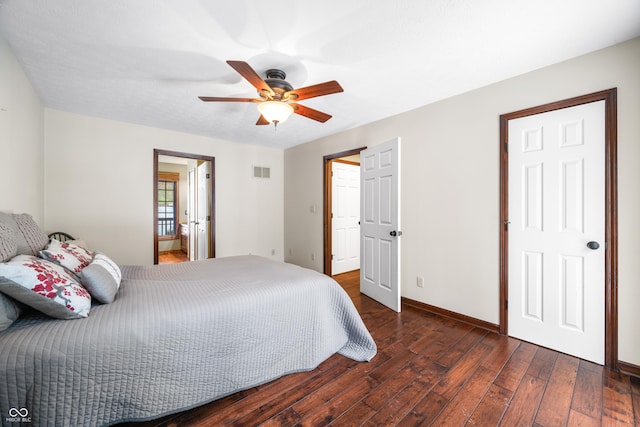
(112, 207)
(450, 186)
(21, 140)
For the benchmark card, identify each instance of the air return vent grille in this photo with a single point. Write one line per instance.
(261, 172)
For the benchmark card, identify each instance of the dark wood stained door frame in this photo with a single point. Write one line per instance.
(611, 215)
(212, 229)
(326, 183)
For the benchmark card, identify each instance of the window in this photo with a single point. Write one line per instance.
(168, 205)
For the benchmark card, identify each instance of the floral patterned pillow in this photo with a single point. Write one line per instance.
(69, 255)
(45, 286)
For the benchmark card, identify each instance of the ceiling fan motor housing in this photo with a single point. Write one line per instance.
(276, 81)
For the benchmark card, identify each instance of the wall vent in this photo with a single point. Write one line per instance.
(261, 172)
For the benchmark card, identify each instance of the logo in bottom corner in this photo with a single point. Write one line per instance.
(18, 415)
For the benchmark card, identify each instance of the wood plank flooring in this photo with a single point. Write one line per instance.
(431, 370)
(172, 257)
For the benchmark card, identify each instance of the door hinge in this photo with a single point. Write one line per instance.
(208, 217)
(506, 147)
(506, 304)
(506, 223)
(208, 176)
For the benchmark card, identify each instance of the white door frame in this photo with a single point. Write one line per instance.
(611, 214)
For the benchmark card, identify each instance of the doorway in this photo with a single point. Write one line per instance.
(351, 156)
(345, 218)
(559, 281)
(184, 189)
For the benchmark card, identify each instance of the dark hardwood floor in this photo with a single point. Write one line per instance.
(431, 370)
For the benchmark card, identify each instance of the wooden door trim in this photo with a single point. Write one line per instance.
(212, 200)
(609, 96)
(326, 191)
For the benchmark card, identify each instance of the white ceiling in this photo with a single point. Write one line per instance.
(147, 61)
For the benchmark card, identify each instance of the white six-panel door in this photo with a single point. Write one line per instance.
(345, 221)
(203, 213)
(556, 208)
(380, 223)
(193, 217)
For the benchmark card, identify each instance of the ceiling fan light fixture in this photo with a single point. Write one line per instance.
(275, 111)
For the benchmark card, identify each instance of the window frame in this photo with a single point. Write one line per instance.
(175, 178)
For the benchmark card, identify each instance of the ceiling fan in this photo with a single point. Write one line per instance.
(278, 99)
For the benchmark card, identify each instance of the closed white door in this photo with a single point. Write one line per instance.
(345, 220)
(202, 209)
(557, 230)
(380, 223)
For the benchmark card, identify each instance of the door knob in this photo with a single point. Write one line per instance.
(593, 245)
(395, 233)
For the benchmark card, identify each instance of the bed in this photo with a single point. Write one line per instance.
(175, 337)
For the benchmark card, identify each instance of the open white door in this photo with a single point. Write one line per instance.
(380, 223)
(192, 214)
(202, 209)
(345, 219)
(557, 230)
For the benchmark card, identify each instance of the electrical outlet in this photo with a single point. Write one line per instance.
(420, 282)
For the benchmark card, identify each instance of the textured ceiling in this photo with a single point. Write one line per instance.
(147, 61)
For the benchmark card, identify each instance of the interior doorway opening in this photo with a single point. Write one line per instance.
(183, 206)
(350, 157)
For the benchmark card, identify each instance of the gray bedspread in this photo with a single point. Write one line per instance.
(177, 336)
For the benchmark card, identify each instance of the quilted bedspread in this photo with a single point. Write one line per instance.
(177, 336)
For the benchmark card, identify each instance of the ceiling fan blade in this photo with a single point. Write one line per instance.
(250, 75)
(320, 89)
(217, 99)
(262, 121)
(310, 113)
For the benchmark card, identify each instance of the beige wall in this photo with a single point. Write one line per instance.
(112, 208)
(21, 140)
(450, 186)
